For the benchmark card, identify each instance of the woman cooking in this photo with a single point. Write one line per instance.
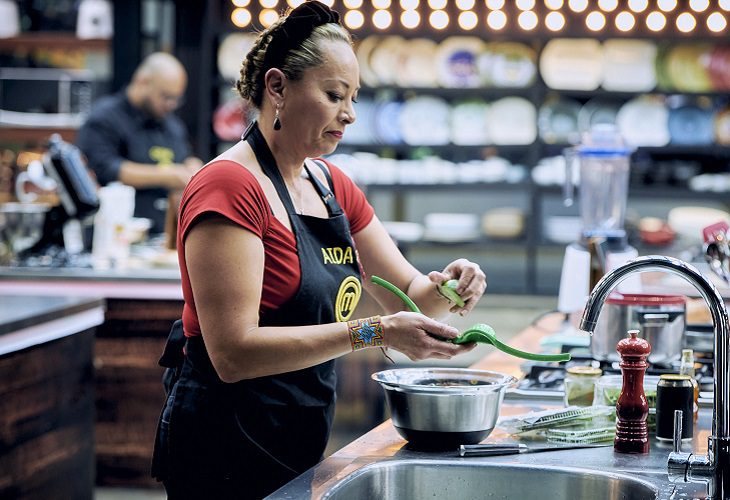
(274, 245)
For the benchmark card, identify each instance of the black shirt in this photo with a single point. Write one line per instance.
(116, 131)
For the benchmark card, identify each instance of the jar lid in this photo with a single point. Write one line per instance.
(584, 371)
(674, 376)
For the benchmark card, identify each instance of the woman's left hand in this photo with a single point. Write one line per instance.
(471, 286)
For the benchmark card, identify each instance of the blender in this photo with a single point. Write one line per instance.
(602, 162)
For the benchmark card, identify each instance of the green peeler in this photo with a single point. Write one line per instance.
(479, 332)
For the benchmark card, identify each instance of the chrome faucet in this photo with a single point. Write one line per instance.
(714, 468)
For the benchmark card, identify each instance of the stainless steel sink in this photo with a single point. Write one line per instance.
(419, 479)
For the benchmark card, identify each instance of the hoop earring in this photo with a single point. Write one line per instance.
(277, 122)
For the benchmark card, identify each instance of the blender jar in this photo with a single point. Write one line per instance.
(603, 165)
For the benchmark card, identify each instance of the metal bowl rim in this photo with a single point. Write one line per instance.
(497, 380)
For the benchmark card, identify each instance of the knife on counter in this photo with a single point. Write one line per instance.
(494, 449)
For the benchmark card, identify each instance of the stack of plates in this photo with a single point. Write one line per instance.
(418, 69)
(572, 64)
(448, 227)
(363, 52)
(558, 120)
(722, 126)
(629, 65)
(386, 59)
(597, 111)
(719, 67)
(231, 52)
(685, 65)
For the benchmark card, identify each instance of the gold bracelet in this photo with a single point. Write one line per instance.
(366, 332)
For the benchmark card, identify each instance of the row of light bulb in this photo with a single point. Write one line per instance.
(574, 5)
(527, 20)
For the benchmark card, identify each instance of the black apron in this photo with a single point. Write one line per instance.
(245, 440)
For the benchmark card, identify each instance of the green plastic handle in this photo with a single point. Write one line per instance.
(486, 335)
(401, 295)
(478, 333)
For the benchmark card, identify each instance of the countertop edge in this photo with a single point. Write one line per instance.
(47, 331)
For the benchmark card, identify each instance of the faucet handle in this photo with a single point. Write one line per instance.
(677, 437)
(678, 462)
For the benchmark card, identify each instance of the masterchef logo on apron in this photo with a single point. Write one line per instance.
(347, 298)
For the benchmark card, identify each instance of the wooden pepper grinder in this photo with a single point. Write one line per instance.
(632, 435)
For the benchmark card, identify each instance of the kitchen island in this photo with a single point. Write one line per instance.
(47, 395)
(141, 305)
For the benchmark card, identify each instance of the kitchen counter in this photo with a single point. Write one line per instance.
(141, 305)
(29, 321)
(135, 283)
(47, 396)
(383, 445)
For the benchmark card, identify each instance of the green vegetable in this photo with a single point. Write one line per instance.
(448, 290)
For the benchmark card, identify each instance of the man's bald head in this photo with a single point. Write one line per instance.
(158, 84)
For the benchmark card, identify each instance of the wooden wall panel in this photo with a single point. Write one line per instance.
(129, 394)
(47, 420)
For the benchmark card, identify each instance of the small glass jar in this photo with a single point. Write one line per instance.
(579, 383)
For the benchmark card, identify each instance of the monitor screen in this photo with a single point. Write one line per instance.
(76, 187)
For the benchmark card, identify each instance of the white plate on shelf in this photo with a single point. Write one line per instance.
(470, 123)
(557, 120)
(512, 121)
(418, 68)
(361, 132)
(507, 65)
(691, 125)
(425, 121)
(456, 60)
(386, 59)
(387, 122)
(363, 51)
(643, 121)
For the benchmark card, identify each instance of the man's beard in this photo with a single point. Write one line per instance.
(147, 107)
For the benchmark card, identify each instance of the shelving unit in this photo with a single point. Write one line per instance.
(51, 42)
(398, 199)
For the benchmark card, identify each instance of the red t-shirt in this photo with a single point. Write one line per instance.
(229, 189)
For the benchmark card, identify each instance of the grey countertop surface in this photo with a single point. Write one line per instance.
(19, 312)
(151, 274)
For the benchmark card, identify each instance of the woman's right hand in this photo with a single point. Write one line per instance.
(420, 337)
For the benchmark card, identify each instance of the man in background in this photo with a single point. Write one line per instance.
(134, 137)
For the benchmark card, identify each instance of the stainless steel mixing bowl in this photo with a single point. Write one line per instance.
(440, 408)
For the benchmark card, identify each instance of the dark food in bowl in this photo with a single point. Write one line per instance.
(452, 383)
